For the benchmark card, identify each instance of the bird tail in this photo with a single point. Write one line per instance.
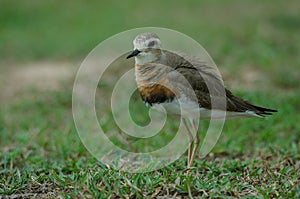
(262, 111)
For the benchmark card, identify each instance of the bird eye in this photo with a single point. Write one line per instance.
(151, 43)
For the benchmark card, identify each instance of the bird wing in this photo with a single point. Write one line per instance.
(207, 84)
(203, 79)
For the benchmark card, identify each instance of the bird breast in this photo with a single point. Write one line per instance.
(152, 84)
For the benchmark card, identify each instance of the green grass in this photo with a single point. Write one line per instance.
(42, 155)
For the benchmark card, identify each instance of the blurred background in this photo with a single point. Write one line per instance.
(254, 40)
(255, 44)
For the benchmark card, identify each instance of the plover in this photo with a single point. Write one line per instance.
(185, 86)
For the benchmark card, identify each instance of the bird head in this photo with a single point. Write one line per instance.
(147, 48)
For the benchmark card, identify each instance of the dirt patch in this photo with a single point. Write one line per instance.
(246, 79)
(18, 79)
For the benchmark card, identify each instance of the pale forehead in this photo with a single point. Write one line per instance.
(146, 37)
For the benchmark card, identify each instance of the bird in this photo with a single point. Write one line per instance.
(185, 85)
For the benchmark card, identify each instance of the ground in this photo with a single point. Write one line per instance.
(255, 45)
(40, 162)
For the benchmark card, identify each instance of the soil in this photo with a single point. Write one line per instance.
(16, 79)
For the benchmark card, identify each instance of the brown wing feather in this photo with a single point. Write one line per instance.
(198, 74)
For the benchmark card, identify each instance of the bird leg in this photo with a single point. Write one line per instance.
(191, 139)
(196, 143)
(194, 152)
(192, 148)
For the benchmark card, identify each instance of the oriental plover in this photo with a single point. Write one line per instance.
(185, 85)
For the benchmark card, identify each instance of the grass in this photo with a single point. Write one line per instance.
(45, 156)
(42, 155)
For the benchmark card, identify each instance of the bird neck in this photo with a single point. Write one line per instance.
(153, 56)
(149, 74)
(145, 59)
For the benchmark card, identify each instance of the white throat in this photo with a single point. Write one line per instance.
(144, 59)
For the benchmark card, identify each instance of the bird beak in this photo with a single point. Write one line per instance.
(133, 53)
